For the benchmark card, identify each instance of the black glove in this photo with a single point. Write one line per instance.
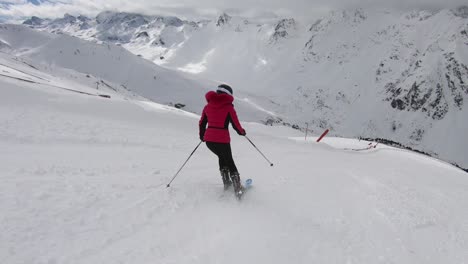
(243, 133)
(201, 138)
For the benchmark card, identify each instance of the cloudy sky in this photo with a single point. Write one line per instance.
(18, 9)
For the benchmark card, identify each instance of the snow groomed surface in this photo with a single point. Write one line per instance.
(83, 181)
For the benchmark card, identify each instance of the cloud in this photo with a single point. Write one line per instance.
(22, 8)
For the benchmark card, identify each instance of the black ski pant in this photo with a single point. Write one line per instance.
(223, 151)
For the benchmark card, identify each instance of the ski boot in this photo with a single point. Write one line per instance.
(226, 180)
(238, 188)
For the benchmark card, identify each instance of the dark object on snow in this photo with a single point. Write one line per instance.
(179, 106)
(143, 34)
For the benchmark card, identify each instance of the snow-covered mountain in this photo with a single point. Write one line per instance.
(83, 180)
(111, 67)
(398, 75)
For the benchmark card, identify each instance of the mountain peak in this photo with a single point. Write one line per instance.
(33, 21)
(83, 18)
(67, 18)
(223, 19)
(131, 20)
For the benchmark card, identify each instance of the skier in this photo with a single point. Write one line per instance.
(218, 113)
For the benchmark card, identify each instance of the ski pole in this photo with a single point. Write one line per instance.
(169, 184)
(271, 164)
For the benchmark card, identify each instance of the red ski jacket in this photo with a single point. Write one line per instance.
(218, 113)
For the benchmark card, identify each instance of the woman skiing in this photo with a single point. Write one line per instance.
(218, 113)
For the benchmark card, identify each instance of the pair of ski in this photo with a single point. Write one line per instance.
(247, 185)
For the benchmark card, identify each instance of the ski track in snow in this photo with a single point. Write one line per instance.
(83, 181)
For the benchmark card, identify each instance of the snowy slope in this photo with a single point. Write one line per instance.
(112, 67)
(399, 75)
(23, 70)
(83, 181)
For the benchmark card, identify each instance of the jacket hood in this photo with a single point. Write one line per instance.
(219, 98)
